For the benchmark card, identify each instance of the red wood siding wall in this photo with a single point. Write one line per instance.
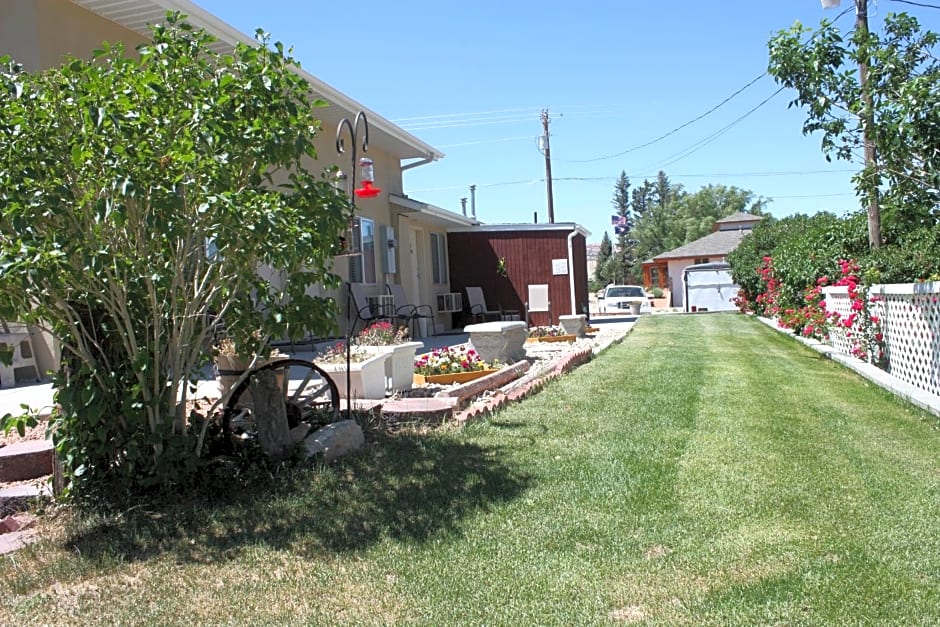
(473, 259)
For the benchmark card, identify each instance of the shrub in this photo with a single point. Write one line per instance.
(137, 208)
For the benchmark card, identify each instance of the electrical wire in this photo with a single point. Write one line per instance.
(462, 115)
(505, 119)
(612, 178)
(918, 4)
(709, 139)
(485, 141)
(675, 130)
(697, 118)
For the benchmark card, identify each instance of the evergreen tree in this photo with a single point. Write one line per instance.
(603, 261)
(625, 255)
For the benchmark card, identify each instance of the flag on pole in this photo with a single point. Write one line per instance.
(620, 229)
(616, 220)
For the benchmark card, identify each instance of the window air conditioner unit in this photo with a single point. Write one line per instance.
(449, 303)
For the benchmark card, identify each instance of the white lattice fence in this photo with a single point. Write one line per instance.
(837, 301)
(910, 320)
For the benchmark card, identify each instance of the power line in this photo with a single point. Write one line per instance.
(462, 115)
(918, 4)
(485, 141)
(707, 140)
(675, 130)
(612, 178)
(496, 119)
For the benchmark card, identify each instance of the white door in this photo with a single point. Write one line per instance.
(416, 294)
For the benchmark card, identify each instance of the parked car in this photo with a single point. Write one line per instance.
(625, 299)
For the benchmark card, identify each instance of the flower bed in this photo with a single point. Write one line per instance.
(555, 338)
(449, 362)
(454, 377)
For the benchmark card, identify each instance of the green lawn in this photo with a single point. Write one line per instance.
(707, 471)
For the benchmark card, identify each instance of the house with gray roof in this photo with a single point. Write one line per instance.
(667, 269)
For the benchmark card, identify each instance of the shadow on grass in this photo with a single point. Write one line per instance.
(405, 487)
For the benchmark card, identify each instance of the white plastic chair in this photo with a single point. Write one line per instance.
(477, 305)
(538, 301)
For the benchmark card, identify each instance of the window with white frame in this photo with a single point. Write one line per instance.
(362, 267)
(439, 258)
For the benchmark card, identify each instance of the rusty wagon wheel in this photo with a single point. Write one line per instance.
(310, 395)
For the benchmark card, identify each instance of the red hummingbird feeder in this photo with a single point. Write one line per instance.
(367, 187)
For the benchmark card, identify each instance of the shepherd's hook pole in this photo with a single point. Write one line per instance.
(341, 148)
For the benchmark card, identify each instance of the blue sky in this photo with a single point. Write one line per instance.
(471, 79)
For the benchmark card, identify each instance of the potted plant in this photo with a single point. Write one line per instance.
(384, 337)
(366, 370)
(231, 364)
(452, 364)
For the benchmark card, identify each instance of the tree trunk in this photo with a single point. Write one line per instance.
(271, 415)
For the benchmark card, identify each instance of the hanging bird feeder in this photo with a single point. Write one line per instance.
(367, 180)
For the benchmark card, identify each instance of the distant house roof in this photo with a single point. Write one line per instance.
(738, 218)
(712, 245)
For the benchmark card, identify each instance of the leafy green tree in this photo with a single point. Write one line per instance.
(140, 197)
(697, 212)
(904, 114)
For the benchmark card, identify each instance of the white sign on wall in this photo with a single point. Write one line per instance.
(559, 266)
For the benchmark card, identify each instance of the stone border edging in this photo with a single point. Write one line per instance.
(470, 389)
(914, 395)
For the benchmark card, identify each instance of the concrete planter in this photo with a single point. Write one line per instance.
(400, 365)
(573, 325)
(367, 377)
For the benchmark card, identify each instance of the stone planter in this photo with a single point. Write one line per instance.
(367, 377)
(573, 325)
(498, 341)
(400, 365)
(454, 377)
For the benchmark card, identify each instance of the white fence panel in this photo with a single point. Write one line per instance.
(837, 301)
(909, 314)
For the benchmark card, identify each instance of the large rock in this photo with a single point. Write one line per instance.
(335, 440)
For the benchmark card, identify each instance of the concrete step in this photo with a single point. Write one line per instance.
(18, 497)
(26, 460)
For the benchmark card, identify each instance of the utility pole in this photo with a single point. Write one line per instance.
(868, 122)
(868, 117)
(548, 166)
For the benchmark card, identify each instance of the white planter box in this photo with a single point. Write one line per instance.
(366, 378)
(400, 365)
